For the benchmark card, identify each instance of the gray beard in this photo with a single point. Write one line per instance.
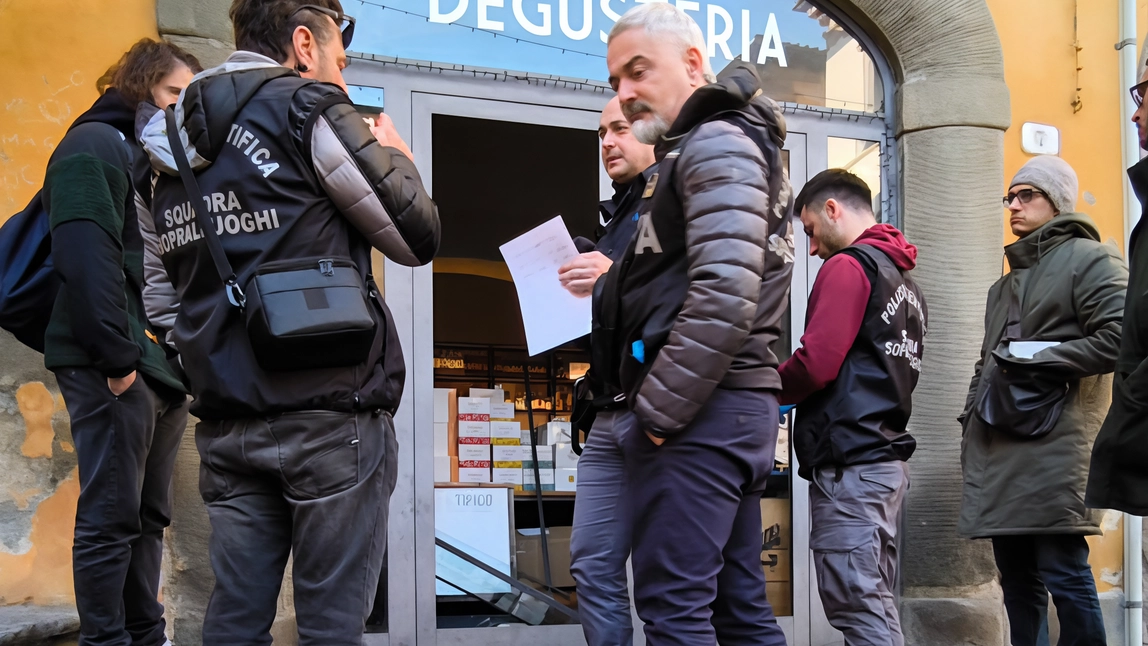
(649, 131)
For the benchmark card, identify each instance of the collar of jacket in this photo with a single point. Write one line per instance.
(1027, 251)
(737, 89)
(204, 134)
(111, 108)
(1138, 177)
(622, 191)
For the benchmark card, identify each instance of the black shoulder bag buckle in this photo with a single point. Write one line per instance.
(300, 313)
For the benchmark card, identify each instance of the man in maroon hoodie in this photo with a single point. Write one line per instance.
(852, 381)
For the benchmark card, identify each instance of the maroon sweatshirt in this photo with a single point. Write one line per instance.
(836, 311)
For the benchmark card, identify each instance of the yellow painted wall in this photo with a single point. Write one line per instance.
(1040, 69)
(53, 51)
(1040, 62)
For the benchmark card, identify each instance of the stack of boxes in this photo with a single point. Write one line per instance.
(445, 435)
(506, 445)
(474, 440)
(777, 539)
(479, 440)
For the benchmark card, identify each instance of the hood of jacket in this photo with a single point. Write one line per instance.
(738, 89)
(892, 243)
(207, 108)
(1028, 250)
(112, 109)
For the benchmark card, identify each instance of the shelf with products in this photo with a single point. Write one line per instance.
(552, 374)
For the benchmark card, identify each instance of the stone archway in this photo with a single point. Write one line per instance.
(952, 108)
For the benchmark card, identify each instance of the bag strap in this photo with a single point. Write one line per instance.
(226, 274)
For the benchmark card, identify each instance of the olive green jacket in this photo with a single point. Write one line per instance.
(1071, 290)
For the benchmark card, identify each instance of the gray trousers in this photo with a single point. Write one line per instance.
(856, 518)
(312, 484)
(600, 539)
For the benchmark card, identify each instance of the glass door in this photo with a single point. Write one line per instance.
(858, 146)
(491, 557)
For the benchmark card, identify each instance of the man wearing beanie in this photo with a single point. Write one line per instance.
(1035, 404)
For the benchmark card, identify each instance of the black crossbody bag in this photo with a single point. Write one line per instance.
(301, 314)
(1015, 399)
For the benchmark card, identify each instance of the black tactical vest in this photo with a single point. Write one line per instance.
(265, 202)
(861, 417)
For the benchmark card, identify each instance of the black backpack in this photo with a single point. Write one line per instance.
(28, 280)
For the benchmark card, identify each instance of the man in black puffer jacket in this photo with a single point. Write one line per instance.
(699, 298)
(297, 462)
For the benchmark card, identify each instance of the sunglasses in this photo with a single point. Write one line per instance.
(1138, 92)
(345, 23)
(1024, 195)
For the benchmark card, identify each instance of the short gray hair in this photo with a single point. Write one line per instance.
(668, 20)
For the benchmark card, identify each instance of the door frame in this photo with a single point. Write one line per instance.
(411, 97)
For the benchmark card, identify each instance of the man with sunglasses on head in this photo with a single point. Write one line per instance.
(1037, 397)
(1118, 479)
(297, 449)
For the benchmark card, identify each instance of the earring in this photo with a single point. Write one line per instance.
(300, 68)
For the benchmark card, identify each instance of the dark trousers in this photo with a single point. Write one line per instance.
(312, 484)
(695, 511)
(1031, 567)
(126, 448)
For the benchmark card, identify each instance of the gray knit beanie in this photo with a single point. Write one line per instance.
(1052, 175)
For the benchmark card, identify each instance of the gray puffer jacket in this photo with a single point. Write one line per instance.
(707, 281)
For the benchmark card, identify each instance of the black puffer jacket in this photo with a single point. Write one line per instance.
(289, 173)
(707, 279)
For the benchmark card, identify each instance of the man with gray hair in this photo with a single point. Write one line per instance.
(694, 306)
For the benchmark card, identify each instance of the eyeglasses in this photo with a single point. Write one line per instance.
(1024, 195)
(1138, 92)
(345, 23)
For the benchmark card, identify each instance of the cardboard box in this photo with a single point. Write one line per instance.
(565, 479)
(474, 430)
(474, 452)
(442, 468)
(502, 411)
(506, 431)
(556, 433)
(776, 523)
(445, 421)
(545, 457)
(546, 475)
(780, 596)
(502, 475)
(445, 405)
(777, 565)
(528, 548)
(474, 471)
(507, 456)
(495, 395)
(473, 409)
(565, 457)
(441, 438)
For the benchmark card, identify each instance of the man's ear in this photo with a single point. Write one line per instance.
(304, 48)
(695, 66)
(833, 210)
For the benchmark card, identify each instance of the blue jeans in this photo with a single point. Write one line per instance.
(1031, 567)
(600, 539)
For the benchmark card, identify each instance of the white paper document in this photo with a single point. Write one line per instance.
(1026, 349)
(551, 315)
